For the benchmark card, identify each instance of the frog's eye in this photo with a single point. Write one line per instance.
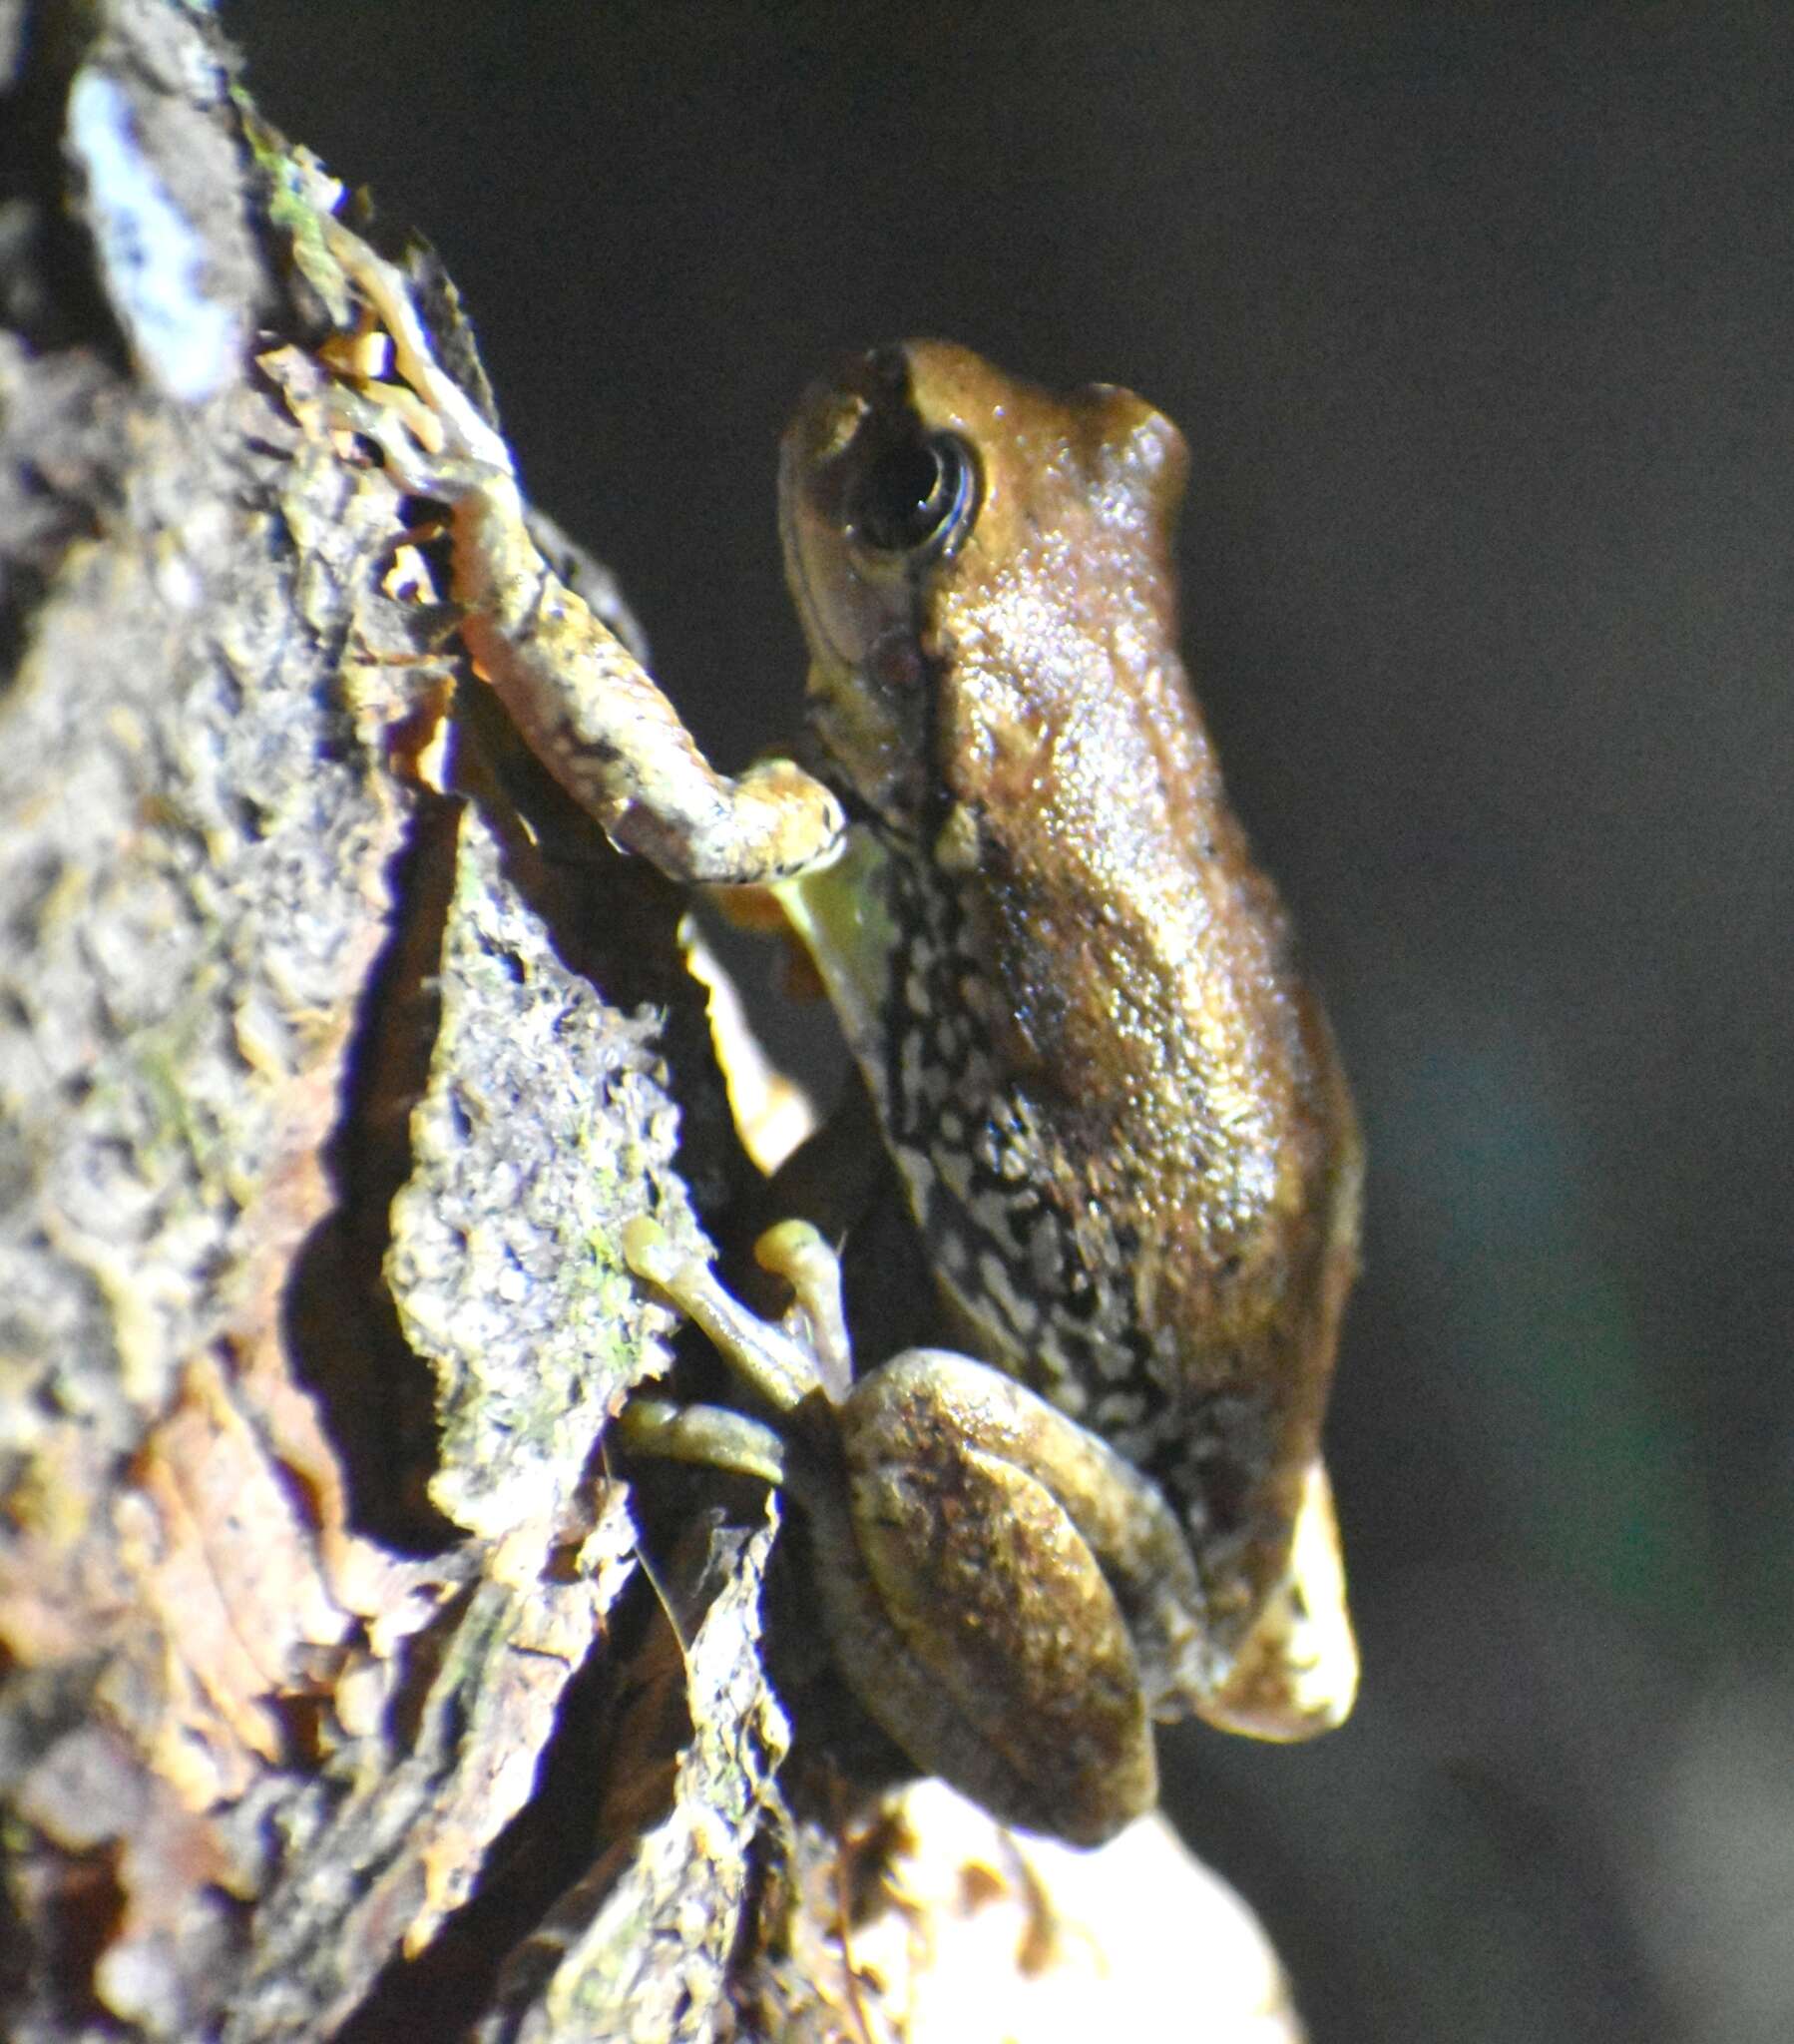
(917, 497)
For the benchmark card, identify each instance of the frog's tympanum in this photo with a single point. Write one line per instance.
(1115, 1108)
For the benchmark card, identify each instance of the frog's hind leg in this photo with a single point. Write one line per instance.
(960, 1560)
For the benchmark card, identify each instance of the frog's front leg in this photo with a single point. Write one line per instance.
(581, 701)
(1005, 1595)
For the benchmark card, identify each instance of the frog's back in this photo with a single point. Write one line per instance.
(1118, 1111)
(1128, 1140)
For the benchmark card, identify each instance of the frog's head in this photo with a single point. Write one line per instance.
(961, 545)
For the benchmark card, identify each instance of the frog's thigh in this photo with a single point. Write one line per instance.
(1121, 1515)
(974, 1563)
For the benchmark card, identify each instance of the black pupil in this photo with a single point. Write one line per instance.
(911, 495)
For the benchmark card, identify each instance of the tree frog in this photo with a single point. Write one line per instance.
(1115, 1109)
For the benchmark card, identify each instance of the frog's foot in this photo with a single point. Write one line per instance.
(1296, 1675)
(771, 1359)
(430, 431)
(418, 457)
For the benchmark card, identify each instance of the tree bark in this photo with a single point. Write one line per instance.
(334, 1053)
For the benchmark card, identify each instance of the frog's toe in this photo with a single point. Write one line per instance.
(455, 444)
(647, 1249)
(709, 1434)
(798, 1253)
(376, 412)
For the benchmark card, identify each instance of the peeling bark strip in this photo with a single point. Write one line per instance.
(324, 1096)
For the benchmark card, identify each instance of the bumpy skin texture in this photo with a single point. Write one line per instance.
(1118, 1109)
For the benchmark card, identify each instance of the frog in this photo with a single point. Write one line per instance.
(1113, 1103)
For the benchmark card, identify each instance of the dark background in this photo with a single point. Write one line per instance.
(1478, 321)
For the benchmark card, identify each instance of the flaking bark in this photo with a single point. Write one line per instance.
(317, 1144)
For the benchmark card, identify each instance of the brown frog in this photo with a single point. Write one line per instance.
(1115, 1108)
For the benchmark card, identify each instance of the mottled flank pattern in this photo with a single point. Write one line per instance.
(1043, 1274)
